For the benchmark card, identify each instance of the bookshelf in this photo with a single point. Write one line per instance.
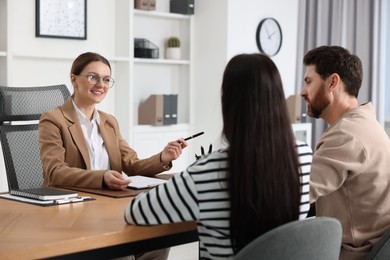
(138, 78)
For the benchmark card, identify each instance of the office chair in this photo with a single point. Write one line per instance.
(20, 110)
(381, 250)
(315, 238)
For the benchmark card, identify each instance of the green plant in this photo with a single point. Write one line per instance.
(173, 42)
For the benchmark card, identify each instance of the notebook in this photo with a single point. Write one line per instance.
(44, 193)
(45, 202)
(143, 182)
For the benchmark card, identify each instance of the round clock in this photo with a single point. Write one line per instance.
(269, 36)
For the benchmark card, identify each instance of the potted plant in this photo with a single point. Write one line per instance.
(173, 48)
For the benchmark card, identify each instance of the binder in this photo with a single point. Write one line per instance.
(158, 110)
(170, 109)
(173, 109)
(167, 110)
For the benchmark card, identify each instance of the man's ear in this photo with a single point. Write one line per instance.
(334, 80)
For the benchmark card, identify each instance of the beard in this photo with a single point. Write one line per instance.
(317, 105)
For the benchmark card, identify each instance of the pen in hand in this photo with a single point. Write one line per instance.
(193, 136)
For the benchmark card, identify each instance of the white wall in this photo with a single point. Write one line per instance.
(244, 17)
(224, 29)
(28, 68)
(210, 51)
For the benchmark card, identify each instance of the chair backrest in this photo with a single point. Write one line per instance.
(314, 238)
(381, 250)
(20, 110)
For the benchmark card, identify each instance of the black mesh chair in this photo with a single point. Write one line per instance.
(20, 110)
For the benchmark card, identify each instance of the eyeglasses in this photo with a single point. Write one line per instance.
(93, 79)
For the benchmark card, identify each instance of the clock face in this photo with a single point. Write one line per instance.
(269, 36)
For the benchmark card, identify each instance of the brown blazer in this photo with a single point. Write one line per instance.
(64, 152)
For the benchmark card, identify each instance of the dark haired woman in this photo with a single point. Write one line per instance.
(260, 181)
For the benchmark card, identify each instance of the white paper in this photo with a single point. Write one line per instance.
(143, 182)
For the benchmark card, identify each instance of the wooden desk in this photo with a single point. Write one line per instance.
(92, 229)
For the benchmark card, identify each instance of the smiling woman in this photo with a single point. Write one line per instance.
(82, 146)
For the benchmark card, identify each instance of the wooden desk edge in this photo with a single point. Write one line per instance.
(103, 242)
(113, 245)
(141, 246)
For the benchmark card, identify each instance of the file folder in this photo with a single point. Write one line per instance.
(158, 110)
(170, 110)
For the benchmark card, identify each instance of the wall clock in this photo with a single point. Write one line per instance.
(269, 36)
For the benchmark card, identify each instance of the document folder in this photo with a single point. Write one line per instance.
(158, 110)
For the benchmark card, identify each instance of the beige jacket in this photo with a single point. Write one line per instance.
(64, 152)
(350, 178)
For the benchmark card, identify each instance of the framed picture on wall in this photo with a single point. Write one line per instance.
(61, 19)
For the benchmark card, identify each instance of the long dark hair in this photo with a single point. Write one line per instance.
(264, 182)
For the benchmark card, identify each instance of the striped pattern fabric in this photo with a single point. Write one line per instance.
(305, 154)
(200, 193)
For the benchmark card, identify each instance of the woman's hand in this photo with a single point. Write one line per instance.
(173, 150)
(115, 181)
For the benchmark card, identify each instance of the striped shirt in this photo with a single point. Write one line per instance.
(200, 193)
